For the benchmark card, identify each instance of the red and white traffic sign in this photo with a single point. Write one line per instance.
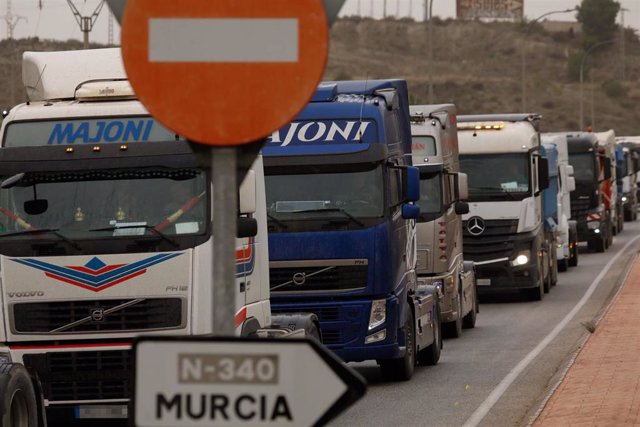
(224, 72)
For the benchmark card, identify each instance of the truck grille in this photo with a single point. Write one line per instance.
(579, 209)
(318, 279)
(142, 314)
(80, 375)
(497, 241)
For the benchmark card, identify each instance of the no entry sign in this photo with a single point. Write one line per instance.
(224, 72)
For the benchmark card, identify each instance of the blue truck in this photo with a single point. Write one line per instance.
(341, 193)
(550, 213)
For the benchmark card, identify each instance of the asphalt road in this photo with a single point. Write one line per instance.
(499, 373)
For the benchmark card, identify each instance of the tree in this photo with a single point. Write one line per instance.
(598, 19)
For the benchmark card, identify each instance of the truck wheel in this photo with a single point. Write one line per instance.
(18, 397)
(554, 270)
(563, 264)
(431, 354)
(469, 321)
(537, 293)
(573, 258)
(402, 369)
(454, 329)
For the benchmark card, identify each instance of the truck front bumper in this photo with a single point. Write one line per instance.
(499, 275)
(344, 326)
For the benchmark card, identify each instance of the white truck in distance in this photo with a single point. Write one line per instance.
(567, 245)
(105, 234)
(443, 189)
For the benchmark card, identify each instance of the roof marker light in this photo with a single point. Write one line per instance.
(69, 149)
(96, 148)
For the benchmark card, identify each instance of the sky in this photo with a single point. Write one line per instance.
(56, 21)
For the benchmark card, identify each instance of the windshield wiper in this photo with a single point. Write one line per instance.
(277, 221)
(342, 211)
(53, 231)
(146, 227)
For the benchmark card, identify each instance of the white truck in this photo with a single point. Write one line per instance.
(105, 234)
(504, 233)
(612, 203)
(628, 181)
(567, 240)
(443, 191)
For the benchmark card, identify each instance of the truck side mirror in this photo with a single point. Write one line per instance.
(410, 211)
(463, 187)
(246, 227)
(247, 196)
(543, 173)
(607, 168)
(571, 184)
(462, 208)
(411, 184)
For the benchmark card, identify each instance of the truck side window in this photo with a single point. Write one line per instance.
(395, 187)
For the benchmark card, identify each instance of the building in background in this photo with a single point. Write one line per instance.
(491, 10)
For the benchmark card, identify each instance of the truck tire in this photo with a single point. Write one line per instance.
(554, 269)
(18, 397)
(563, 264)
(469, 321)
(537, 293)
(573, 257)
(402, 369)
(454, 329)
(431, 354)
(547, 280)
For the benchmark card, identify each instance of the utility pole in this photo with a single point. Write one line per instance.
(397, 8)
(622, 44)
(110, 29)
(40, 4)
(429, 12)
(384, 10)
(12, 20)
(86, 22)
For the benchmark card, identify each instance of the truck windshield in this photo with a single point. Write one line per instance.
(583, 167)
(497, 176)
(333, 196)
(430, 196)
(422, 147)
(106, 203)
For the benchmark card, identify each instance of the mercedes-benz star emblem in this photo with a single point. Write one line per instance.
(475, 226)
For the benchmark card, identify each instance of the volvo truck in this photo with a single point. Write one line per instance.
(443, 194)
(504, 231)
(105, 234)
(627, 169)
(341, 193)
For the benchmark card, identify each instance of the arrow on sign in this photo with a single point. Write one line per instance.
(186, 381)
(332, 7)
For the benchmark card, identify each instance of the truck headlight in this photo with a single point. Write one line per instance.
(624, 199)
(378, 313)
(522, 258)
(593, 225)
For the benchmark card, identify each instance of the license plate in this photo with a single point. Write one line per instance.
(84, 412)
(484, 282)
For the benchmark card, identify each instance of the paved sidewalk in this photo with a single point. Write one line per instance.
(602, 388)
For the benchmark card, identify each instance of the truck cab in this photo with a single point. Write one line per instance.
(504, 231)
(612, 203)
(443, 191)
(105, 234)
(341, 193)
(567, 238)
(592, 174)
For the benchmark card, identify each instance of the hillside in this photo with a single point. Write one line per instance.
(476, 65)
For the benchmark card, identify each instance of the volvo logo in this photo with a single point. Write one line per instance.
(299, 279)
(97, 315)
(475, 226)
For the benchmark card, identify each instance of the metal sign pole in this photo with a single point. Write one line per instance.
(225, 202)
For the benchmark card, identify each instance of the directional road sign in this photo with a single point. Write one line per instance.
(238, 381)
(224, 72)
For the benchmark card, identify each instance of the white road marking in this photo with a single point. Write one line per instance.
(218, 40)
(506, 382)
